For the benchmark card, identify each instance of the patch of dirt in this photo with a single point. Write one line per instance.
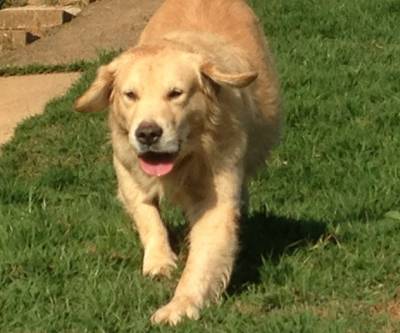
(391, 308)
(104, 25)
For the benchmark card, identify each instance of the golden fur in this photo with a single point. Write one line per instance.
(222, 124)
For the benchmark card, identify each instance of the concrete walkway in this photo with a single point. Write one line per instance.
(25, 96)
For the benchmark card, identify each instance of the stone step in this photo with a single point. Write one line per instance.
(12, 39)
(33, 18)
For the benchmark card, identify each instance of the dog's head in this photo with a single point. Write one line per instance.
(159, 96)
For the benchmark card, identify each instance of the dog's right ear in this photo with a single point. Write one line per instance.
(97, 97)
(234, 80)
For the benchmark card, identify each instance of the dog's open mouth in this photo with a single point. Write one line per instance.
(157, 164)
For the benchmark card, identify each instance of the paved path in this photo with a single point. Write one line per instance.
(25, 96)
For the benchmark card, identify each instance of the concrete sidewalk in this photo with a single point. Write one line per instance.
(25, 96)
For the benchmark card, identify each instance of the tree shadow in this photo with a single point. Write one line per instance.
(270, 237)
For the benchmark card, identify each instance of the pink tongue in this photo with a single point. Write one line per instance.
(159, 168)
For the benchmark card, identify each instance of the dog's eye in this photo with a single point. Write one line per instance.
(175, 93)
(131, 95)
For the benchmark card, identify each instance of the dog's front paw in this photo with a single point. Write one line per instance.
(157, 262)
(175, 311)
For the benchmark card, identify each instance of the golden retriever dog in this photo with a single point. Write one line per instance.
(195, 110)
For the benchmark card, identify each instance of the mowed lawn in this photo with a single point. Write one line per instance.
(321, 240)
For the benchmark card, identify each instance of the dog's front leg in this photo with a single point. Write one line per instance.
(213, 246)
(158, 259)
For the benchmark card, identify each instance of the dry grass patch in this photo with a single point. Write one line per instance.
(20, 3)
(391, 308)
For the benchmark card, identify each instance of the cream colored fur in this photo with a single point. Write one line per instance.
(225, 124)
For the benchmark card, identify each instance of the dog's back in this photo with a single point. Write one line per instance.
(231, 20)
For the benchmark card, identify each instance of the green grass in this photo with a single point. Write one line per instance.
(42, 69)
(320, 245)
(77, 66)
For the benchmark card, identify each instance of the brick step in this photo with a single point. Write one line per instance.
(12, 39)
(33, 18)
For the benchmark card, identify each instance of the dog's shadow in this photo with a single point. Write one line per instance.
(262, 236)
(269, 237)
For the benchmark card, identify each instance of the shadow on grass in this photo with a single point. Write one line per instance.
(269, 237)
(261, 236)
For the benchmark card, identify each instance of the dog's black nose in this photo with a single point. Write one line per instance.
(148, 133)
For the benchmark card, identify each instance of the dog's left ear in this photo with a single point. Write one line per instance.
(97, 96)
(234, 80)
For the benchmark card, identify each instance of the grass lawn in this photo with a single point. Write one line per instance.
(320, 244)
